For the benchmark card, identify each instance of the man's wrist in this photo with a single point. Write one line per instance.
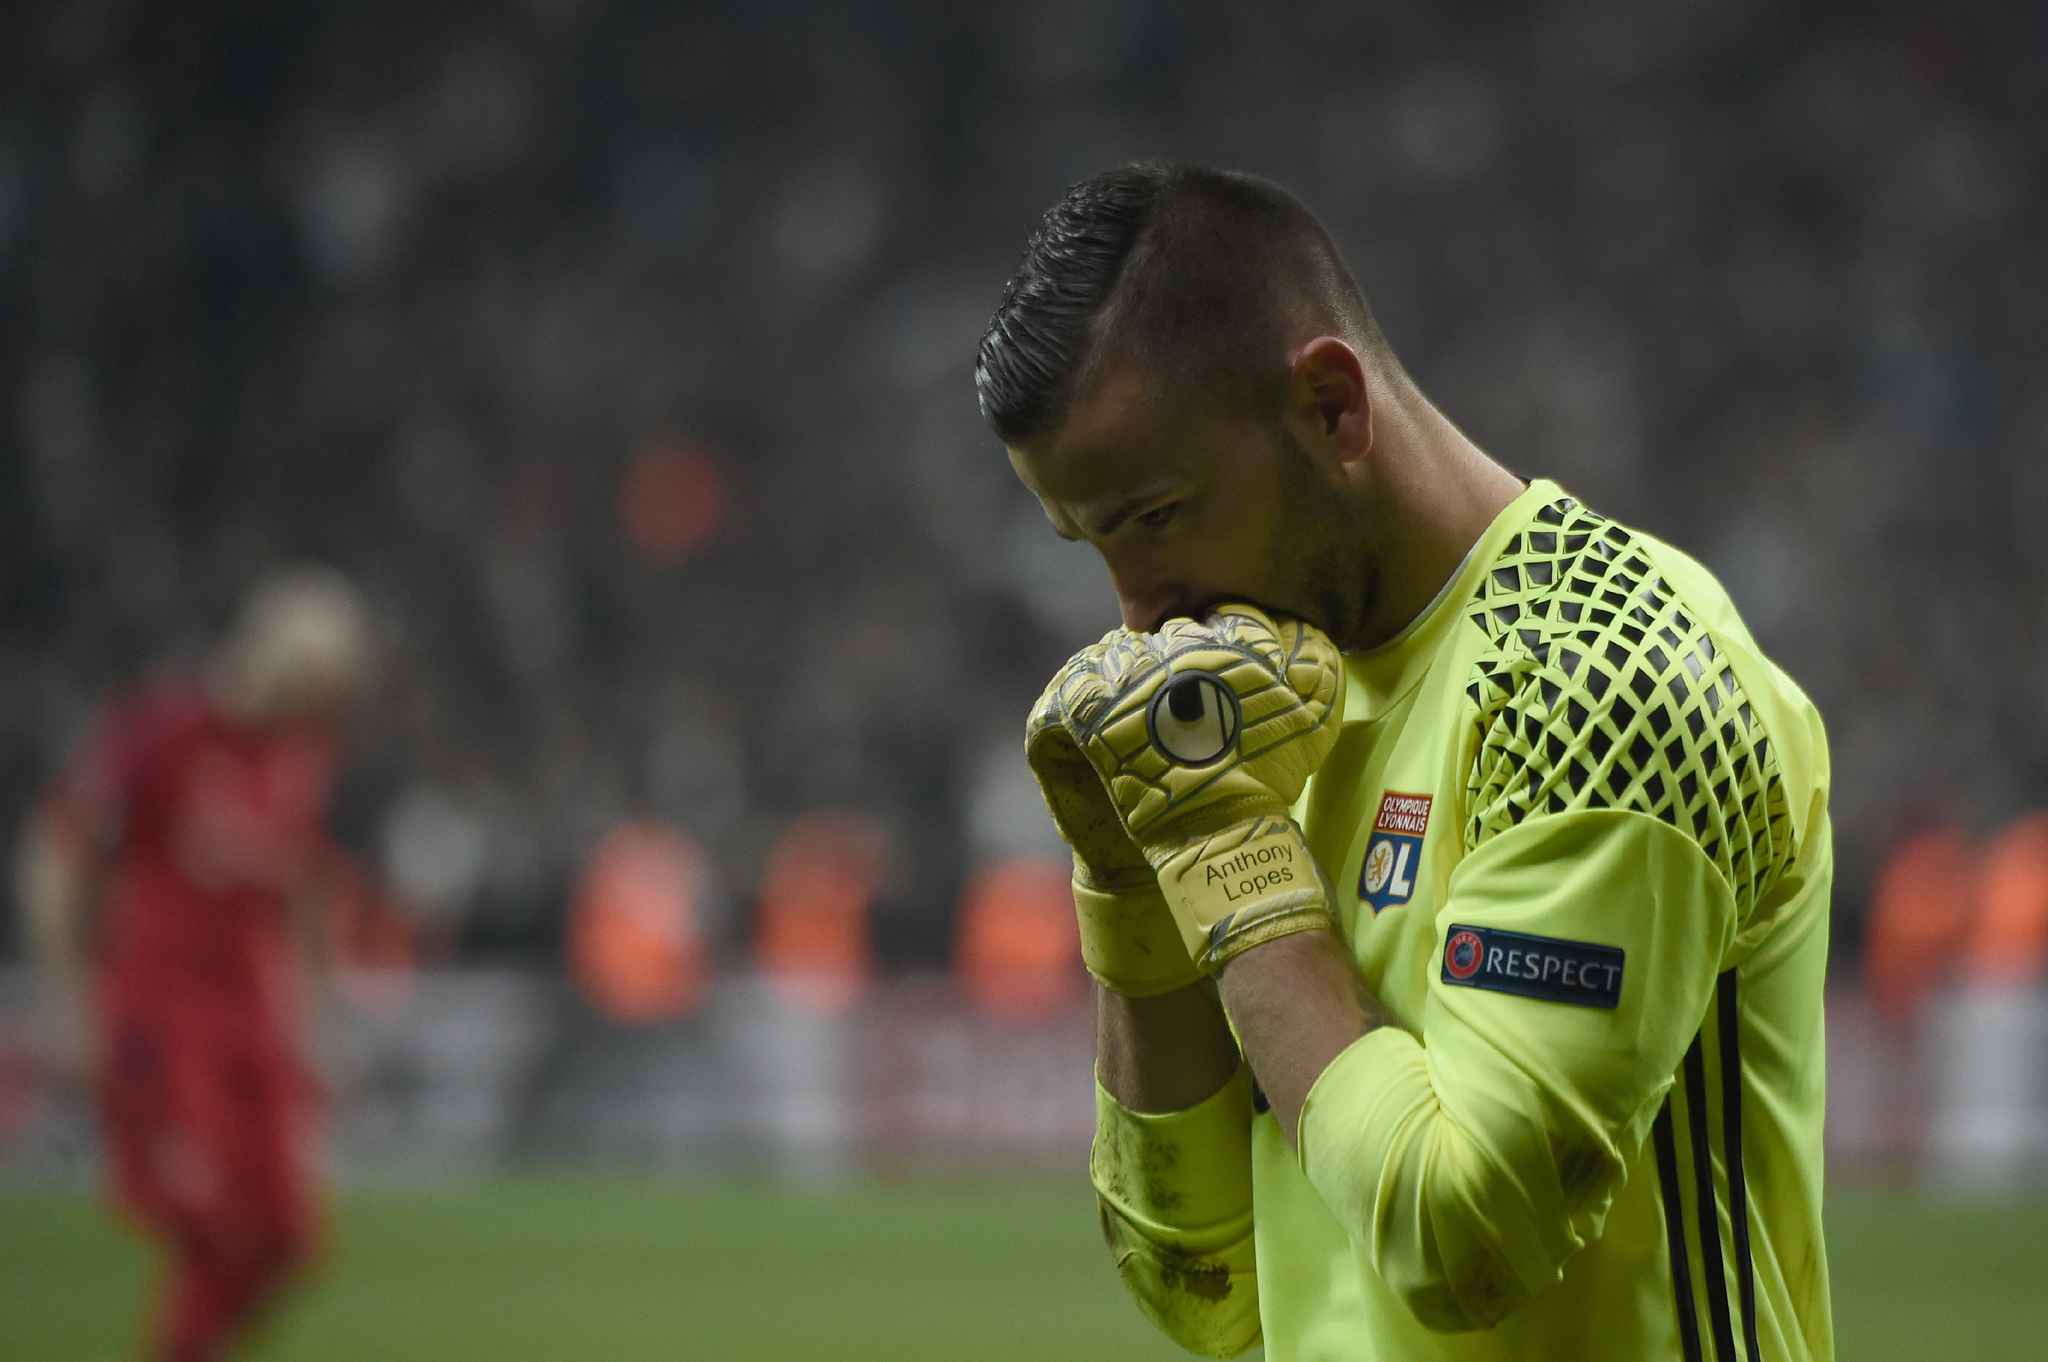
(1295, 1005)
(1166, 1052)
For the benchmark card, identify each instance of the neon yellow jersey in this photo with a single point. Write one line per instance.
(1576, 832)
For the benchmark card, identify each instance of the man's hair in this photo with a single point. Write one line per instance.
(305, 624)
(1201, 274)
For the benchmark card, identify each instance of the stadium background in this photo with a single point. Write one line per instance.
(622, 351)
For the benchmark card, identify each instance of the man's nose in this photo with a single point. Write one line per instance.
(1145, 609)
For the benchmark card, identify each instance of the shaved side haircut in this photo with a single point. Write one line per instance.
(1200, 275)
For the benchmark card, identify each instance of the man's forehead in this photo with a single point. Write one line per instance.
(1107, 409)
(1114, 434)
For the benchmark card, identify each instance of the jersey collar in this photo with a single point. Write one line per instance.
(1378, 678)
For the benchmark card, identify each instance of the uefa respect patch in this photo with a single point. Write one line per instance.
(1393, 857)
(1548, 967)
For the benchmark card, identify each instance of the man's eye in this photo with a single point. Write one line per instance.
(1158, 516)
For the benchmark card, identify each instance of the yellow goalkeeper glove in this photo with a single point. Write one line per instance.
(1128, 939)
(1204, 735)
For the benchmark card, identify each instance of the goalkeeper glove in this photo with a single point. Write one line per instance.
(1128, 939)
(1204, 735)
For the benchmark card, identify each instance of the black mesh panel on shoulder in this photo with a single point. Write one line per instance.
(1598, 690)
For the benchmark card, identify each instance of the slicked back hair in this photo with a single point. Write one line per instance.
(1199, 274)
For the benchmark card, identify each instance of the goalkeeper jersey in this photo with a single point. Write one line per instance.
(1575, 828)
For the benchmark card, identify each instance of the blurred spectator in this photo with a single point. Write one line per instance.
(635, 943)
(1920, 917)
(1989, 1087)
(2009, 940)
(1017, 955)
(818, 890)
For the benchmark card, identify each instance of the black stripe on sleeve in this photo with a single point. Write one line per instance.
(1731, 1136)
(1674, 1233)
(1704, 1203)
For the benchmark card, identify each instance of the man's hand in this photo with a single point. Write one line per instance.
(1203, 735)
(1128, 939)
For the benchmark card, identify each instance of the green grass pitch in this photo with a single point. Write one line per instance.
(619, 1270)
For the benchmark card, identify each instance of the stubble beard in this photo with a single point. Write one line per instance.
(1344, 590)
(1332, 569)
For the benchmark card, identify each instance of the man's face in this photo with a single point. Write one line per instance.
(324, 703)
(315, 696)
(1190, 507)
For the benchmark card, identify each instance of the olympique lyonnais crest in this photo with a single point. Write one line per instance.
(1394, 856)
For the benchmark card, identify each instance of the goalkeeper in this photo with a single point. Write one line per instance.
(1453, 865)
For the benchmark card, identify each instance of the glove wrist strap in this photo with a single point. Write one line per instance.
(1241, 887)
(1130, 942)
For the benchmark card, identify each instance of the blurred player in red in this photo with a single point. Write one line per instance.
(173, 881)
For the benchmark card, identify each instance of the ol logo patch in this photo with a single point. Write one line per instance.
(1194, 719)
(1393, 857)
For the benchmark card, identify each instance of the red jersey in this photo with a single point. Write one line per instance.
(213, 824)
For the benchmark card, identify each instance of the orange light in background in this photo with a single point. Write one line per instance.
(2009, 940)
(672, 500)
(817, 889)
(1017, 953)
(1919, 916)
(635, 947)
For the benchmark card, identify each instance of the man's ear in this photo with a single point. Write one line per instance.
(1329, 403)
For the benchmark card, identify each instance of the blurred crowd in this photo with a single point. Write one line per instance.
(621, 352)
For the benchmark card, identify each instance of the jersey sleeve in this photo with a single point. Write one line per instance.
(1624, 816)
(1175, 1195)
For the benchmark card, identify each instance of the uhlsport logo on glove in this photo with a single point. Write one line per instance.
(1203, 735)
(1194, 719)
